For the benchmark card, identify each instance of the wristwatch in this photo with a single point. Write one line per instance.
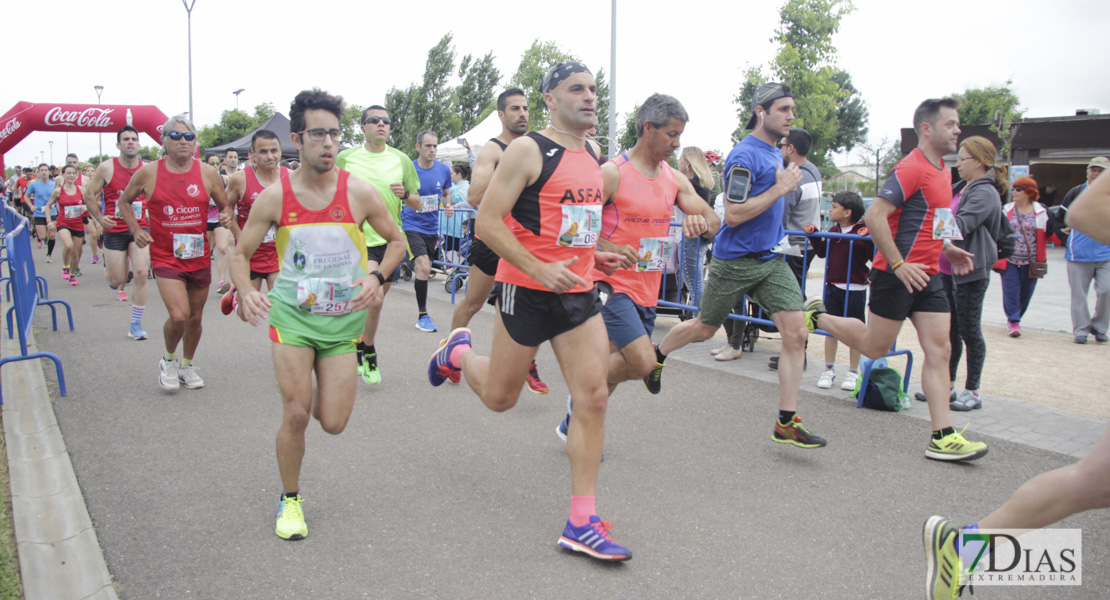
(378, 274)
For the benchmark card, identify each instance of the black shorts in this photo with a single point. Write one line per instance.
(483, 257)
(40, 221)
(534, 316)
(377, 254)
(423, 244)
(260, 275)
(890, 300)
(213, 226)
(118, 240)
(74, 232)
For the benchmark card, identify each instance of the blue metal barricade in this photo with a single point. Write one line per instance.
(26, 300)
(454, 247)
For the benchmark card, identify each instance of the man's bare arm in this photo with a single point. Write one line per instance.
(488, 160)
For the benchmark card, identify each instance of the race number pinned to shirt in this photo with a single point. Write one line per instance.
(429, 203)
(944, 225)
(324, 296)
(271, 234)
(580, 227)
(654, 253)
(75, 211)
(136, 209)
(188, 245)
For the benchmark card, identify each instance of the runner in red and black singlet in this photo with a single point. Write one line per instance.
(905, 282)
(177, 188)
(641, 190)
(512, 109)
(70, 208)
(122, 256)
(549, 187)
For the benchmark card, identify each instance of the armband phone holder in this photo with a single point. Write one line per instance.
(739, 184)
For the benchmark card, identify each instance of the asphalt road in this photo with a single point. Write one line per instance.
(429, 495)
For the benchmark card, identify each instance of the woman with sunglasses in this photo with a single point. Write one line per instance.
(1029, 219)
(978, 214)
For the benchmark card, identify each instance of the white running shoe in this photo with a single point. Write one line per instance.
(850, 380)
(167, 378)
(189, 378)
(826, 380)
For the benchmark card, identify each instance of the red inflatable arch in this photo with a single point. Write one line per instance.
(25, 117)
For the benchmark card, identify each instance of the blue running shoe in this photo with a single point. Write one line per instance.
(425, 323)
(561, 430)
(439, 366)
(135, 331)
(593, 539)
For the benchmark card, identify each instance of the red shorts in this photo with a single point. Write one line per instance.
(201, 278)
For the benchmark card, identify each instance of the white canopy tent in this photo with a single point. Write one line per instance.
(453, 151)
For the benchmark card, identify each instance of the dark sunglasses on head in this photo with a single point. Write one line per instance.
(376, 120)
(177, 135)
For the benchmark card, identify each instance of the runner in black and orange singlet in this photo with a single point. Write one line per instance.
(177, 188)
(512, 109)
(121, 254)
(542, 215)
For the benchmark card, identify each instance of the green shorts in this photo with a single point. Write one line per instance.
(770, 284)
(328, 335)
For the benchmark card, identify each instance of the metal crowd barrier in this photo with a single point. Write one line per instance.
(26, 296)
(454, 261)
(865, 363)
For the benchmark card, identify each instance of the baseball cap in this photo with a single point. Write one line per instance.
(1099, 161)
(767, 92)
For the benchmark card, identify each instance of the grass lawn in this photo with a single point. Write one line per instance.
(11, 586)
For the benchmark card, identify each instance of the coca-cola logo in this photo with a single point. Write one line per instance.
(9, 128)
(90, 117)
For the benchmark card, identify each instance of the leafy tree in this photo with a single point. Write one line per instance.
(154, 152)
(398, 103)
(826, 104)
(234, 124)
(351, 124)
(628, 133)
(602, 111)
(474, 98)
(998, 107)
(429, 106)
(529, 75)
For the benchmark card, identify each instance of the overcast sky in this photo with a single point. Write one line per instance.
(1055, 54)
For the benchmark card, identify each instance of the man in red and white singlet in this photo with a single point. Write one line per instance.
(121, 254)
(641, 190)
(242, 190)
(316, 308)
(177, 189)
(542, 215)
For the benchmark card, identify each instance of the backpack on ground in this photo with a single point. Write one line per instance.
(885, 390)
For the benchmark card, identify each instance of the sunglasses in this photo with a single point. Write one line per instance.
(376, 120)
(319, 134)
(177, 135)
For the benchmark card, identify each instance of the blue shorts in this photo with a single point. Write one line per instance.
(836, 299)
(625, 321)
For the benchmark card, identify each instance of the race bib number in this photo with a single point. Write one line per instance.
(188, 245)
(429, 204)
(271, 235)
(323, 296)
(136, 209)
(654, 253)
(75, 211)
(580, 227)
(944, 225)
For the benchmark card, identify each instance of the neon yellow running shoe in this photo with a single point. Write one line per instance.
(942, 560)
(954, 447)
(814, 308)
(290, 518)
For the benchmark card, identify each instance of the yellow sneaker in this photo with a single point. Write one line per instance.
(290, 518)
(954, 447)
(942, 560)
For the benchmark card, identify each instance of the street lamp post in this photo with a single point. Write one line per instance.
(99, 138)
(51, 142)
(237, 92)
(189, 9)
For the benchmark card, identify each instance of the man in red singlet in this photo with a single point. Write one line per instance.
(243, 189)
(316, 308)
(177, 188)
(549, 183)
(641, 190)
(110, 179)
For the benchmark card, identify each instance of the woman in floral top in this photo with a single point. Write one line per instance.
(1029, 220)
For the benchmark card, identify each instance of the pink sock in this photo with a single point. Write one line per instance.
(581, 509)
(456, 355)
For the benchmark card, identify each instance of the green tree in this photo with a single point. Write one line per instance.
(628, 132)
(154, 152)
(602, 112)
(826, 104)
(529, 75)
(234, 124)
(997, 107)
(398, 103)
(474, 98)
(351, 124)
(429, 106)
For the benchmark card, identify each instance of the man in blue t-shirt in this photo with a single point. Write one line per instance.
(744, 260)
(38, 195)
(420, 219)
